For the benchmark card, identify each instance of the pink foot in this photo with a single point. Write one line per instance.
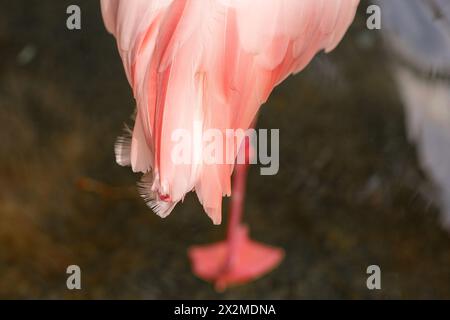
(250, 260)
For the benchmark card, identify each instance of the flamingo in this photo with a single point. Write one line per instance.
(213, 62)
(417, 33)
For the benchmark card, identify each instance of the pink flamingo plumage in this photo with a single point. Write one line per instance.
(213, 62)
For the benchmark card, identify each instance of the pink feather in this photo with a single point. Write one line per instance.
(212, 62)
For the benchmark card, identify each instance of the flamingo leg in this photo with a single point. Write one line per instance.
(236, 209)
(238, 259)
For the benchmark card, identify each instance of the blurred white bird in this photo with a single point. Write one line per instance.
(418, 33)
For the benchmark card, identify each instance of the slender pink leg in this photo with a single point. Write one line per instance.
(238, 259)
(237, 206)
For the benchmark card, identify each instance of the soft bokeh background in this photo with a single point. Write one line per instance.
(349, 192)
